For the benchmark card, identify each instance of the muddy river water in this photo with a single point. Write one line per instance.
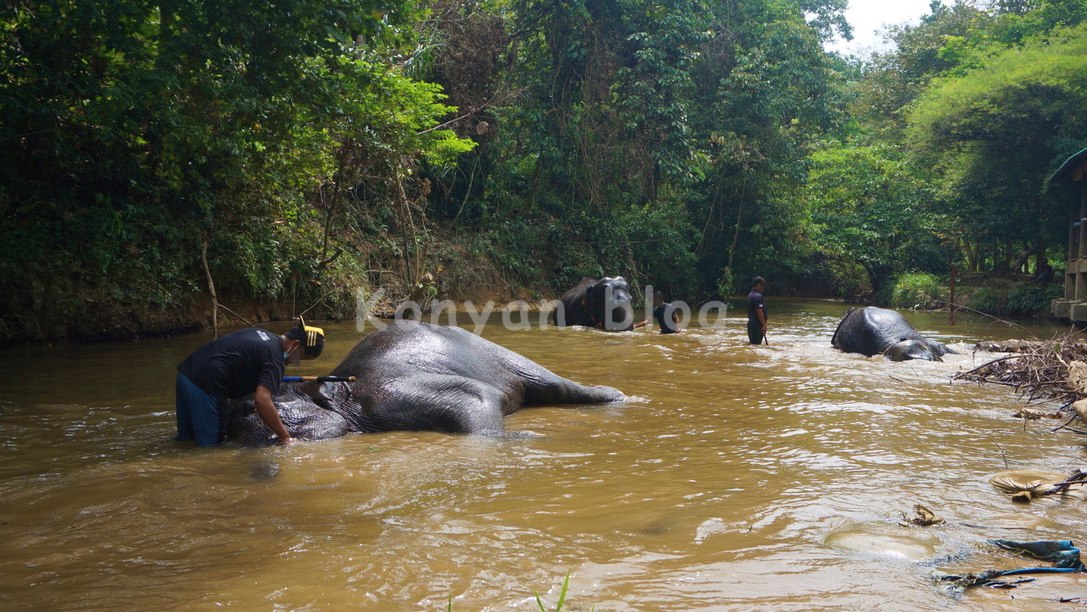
(737, 477)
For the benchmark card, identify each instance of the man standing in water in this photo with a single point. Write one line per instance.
(756, 311)
(665, 314)
(237, 364)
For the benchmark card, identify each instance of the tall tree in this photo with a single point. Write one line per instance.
(762, 90)
(997, 131)
(871, 210)
(132, 132)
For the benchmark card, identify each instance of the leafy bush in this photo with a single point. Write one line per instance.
(986, 300)
(917, 290)
(1022, 300)
(661, 242)
(726, 284)
(850, 278)
(1026, 299)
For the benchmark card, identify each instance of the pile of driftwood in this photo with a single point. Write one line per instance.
(1041, 371)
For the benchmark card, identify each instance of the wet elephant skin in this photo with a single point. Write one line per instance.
(416, 376)
(604, 303)
(875, 331)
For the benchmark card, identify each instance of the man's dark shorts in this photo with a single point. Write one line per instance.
(198, 413)
(754, 331)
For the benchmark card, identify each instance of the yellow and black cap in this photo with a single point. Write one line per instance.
(312, 338)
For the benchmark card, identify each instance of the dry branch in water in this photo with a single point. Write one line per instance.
(1053, 370)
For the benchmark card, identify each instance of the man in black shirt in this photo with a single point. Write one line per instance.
(665, 314)
(237, 364)
(756, 311)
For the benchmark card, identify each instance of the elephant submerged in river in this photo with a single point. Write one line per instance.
(604, 303)
(415, 376)
(873, 331)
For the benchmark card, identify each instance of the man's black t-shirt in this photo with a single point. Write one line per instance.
(235, 364)
(663, 315)
(754, 302)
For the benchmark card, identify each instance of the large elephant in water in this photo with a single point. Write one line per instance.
(415, 376)
(603, 303)
(873, 331)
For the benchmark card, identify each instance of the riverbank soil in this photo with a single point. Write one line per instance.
(96, 310)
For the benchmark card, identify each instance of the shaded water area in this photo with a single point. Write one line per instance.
(737, 477)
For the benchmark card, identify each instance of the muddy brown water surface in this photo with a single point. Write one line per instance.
(737, 477)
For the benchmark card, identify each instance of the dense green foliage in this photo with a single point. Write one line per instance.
(918, 290)
(315, 147)
(1018, 108)
(134, 132)
(965, 121)
(1021, 299)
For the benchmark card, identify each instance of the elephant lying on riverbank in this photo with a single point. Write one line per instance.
(603, 303)
(415, 376)
(873, 331)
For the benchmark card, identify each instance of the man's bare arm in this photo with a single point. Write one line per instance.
(266, 408)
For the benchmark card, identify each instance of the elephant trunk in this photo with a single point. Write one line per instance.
(560, 390)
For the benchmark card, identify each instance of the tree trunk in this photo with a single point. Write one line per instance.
(211, 289)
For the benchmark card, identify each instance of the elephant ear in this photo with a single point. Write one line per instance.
(593, 292)
(594, 302)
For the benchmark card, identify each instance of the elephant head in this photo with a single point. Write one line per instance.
(916, 348)
(608, 301)
(602, 303)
